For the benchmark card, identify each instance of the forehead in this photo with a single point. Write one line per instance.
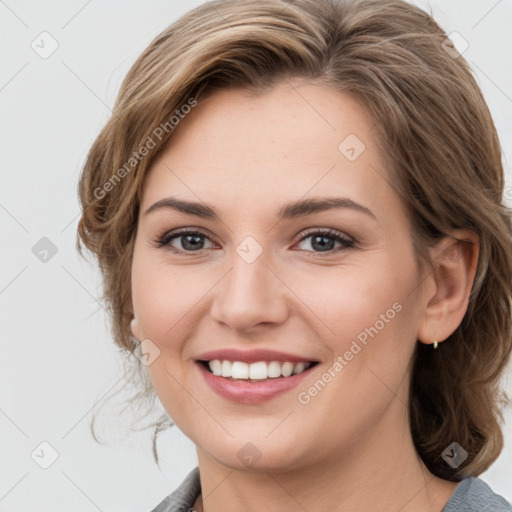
(287, 141)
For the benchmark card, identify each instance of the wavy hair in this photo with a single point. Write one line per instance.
(436, 135)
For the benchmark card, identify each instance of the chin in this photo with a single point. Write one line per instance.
(256, 454)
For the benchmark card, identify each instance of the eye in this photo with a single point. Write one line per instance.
(190, 240)
(323, 240)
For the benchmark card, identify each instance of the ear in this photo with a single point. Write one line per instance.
(448, 288)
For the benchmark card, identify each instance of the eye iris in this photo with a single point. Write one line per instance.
(321, 242)
(194, 245)
(323, 246)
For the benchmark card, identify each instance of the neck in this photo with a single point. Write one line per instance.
(379, 471)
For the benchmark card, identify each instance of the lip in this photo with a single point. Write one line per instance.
(248, 392)
(252, 356)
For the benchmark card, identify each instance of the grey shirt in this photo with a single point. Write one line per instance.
(471, 495)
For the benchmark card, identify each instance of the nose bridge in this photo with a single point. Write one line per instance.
(250, 294)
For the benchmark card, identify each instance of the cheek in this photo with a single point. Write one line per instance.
(349, 300)
(164, 298)
(163, 301)
(372, 315)
(369, 318)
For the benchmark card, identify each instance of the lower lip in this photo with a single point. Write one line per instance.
(252, 392)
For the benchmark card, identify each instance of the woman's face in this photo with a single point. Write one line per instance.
(265, 275)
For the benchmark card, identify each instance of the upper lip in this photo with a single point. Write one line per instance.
(251, 356)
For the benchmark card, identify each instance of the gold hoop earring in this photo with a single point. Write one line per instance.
(435, 344)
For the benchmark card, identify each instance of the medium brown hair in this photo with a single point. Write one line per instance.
(436, 134)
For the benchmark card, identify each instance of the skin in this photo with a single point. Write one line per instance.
(349, 448)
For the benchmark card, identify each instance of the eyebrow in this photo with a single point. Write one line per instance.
(289, 211)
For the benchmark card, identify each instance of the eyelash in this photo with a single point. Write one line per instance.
(166, 238)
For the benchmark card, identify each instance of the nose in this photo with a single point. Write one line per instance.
(250, 295)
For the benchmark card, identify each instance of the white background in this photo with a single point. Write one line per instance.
(58, 360)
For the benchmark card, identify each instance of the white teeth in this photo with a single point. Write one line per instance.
(299, 367)
(286, 369)
(226, 369)
(239, 370)
(216, 367)
(274, 369)
(257, 371)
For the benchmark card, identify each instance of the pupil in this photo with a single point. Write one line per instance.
(322, 245)
(193, 245)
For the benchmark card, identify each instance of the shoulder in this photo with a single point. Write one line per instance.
(474, 495)
(184, 496)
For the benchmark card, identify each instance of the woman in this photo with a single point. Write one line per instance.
(297, 210)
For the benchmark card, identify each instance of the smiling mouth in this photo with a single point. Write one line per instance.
(255, 372)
